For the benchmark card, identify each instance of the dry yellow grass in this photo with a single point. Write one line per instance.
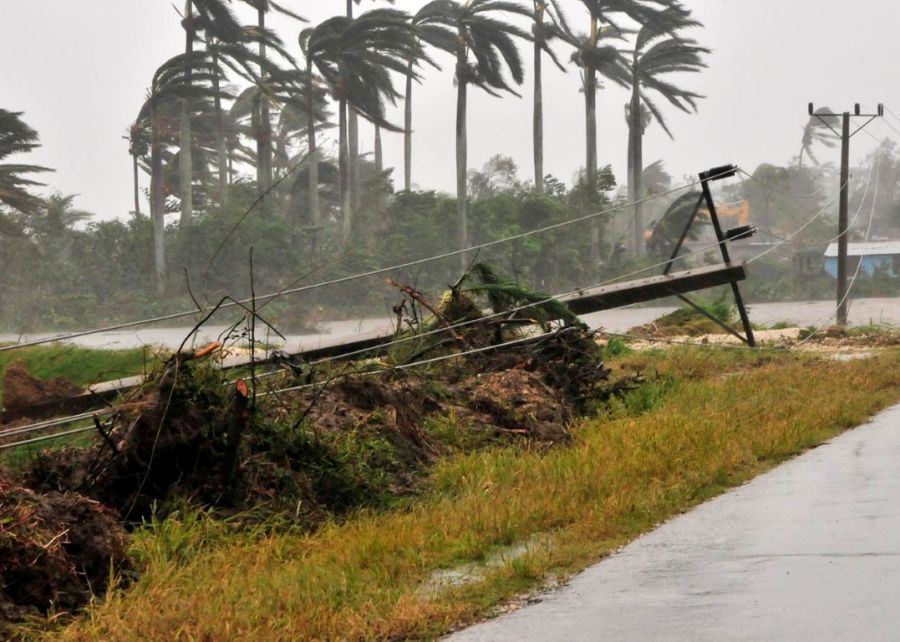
(624, 473)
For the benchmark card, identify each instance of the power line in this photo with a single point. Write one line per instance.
(345, 279)
(438, 330)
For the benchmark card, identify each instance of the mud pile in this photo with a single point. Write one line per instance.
(55, 550)
(22, 390)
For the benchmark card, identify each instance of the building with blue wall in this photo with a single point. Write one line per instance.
(868, 257)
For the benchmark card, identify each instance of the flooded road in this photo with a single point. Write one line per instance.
(803, 313)
(808, 551)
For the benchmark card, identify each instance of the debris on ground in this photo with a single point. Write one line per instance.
(313, 442)
(22, 390)
(56, 550)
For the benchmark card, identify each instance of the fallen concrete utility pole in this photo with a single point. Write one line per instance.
(581, 302)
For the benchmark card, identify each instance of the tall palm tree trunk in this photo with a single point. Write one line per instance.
(635, 131)
(353, 144)
(379, 151)
(538, 124)
(407, 130)
(343, 161)
(314, 214)
(187, 161)
(221, 153)
(353, 148)
(137, 189)
(590, 170)
(461, 153)
(157, 203)
(590, 127)
(379, 168)
(264, 123)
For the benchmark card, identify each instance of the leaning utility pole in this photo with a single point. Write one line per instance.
(845, 136)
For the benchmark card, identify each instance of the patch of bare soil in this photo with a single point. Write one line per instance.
(518, 402)
(21, 389)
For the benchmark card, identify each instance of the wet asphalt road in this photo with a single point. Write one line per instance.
(808, 551)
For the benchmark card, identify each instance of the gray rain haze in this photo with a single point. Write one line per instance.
(79, 69)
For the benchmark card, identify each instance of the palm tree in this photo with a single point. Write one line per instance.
(262, 115)
(543, 33)
(353, 135)
(595, 58)
(315, 216)
(215, 17)
(817, 131)
(658, 51)
(18, 138)
(484, 36)
(440, 37)
(137, 149)
(270, 84)
(355, 58)
(172, 84)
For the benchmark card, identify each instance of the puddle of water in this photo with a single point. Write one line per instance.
(473, 572)
(851, 356)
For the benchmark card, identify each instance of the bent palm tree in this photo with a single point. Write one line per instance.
(353, 134)
(18, 138)
(171, 85)
(596, 59)
(484, 36)
(262, 117)
(215, 18)
(355, 57)
(658, 51)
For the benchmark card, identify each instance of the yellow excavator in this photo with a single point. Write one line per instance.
(662, 235)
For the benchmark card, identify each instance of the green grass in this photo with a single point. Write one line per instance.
(79, 365)
(721, 418)
(82, 366)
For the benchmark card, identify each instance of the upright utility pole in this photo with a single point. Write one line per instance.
(845, 136)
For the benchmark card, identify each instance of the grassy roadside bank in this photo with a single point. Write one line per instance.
(79, 365)
(726, 417)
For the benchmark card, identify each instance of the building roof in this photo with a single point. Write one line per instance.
(873, 248)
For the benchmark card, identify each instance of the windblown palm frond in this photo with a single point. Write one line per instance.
(504, 295)
(482, 34)
(356, 58)
(16, 137)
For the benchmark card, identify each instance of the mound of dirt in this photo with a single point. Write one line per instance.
(55, 549)
(21, 390)
(517, 402)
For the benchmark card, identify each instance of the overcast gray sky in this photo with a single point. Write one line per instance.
(79, 70)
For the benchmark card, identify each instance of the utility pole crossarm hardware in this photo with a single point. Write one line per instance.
(845, 135)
